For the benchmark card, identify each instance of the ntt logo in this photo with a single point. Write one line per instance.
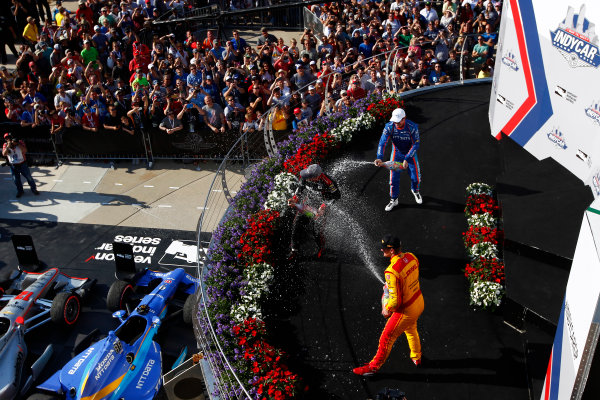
(576, 40)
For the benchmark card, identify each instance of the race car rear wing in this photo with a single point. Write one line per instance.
(26, 254)
(124, 262)
(126, 270)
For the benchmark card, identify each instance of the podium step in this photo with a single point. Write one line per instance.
(549, 221)
(537, 177)
(513, 156)
(536, 280)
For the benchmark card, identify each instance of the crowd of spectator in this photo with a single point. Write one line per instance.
(90, 67)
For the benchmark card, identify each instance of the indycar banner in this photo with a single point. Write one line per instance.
(579, 322)
(546, 86)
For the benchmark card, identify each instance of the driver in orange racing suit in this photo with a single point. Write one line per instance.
(402, 308)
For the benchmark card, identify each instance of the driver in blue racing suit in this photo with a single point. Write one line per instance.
(405, 141)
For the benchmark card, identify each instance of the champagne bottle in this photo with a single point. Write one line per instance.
(306, 210)
(393, 165)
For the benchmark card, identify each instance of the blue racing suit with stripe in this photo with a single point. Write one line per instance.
(405, 144)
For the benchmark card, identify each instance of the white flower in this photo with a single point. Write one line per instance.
(344, 132)
(486, 294)
(285, 185)
(479, 188)
(483, 249)
(259, 277)
(480, 220)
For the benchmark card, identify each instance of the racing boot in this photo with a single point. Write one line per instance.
(365, 370)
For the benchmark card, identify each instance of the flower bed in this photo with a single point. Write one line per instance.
(483, 240)
(242, 261)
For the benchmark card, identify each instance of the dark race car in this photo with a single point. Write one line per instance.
(30, 300)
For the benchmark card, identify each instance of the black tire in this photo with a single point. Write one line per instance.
(65, 309)
(188, 309)
(161, 394)
(118, 294)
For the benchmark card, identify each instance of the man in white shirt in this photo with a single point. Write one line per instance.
(63, 95)
(14, 151)
(429, 12)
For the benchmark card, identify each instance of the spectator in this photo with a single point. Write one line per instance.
(479, 54)
(30, 32)
(265, 38)
(214, 118)
(234, 114)
(279, 119)
(90, 120)
(299, 121)
(429, 13)
(170, 124)
(437, 73)
(313, 99)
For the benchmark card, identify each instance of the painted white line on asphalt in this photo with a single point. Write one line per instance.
(118, 184)
(57, 180)
(202, 208)
(149, 186)
(173, 187)
(164, 206)
(87, 182)
(217, 190)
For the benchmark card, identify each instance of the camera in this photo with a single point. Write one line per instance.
(390, 394)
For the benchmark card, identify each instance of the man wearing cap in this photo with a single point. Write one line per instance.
(89, 53)
(63, 96)
(264, 38)
(429, 12)
(15, 151)
(402, 304)
(84, 13)
(30, 32)
(318, 187)
(299, 120)
(404, 135)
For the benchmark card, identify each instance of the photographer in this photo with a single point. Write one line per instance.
(14, 151)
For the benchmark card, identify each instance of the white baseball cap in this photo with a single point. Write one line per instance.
(398, 115)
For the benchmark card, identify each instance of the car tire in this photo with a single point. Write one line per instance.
(66, 308)
(161, 394)
(188, 309)
(118, 294)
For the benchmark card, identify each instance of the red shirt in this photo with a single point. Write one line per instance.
(357, 93)
(90, 120)
(141, 49)
(140, 63)
(280, 64)
(85, 12)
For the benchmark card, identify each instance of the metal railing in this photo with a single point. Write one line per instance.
(229, 178)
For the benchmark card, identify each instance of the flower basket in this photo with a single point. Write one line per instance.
(485, 271)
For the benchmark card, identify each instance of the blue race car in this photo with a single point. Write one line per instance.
(127, 364)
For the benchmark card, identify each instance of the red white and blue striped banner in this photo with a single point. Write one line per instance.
(546, 88)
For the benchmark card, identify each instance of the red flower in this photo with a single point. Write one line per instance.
(257, 240)
(480, 204)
